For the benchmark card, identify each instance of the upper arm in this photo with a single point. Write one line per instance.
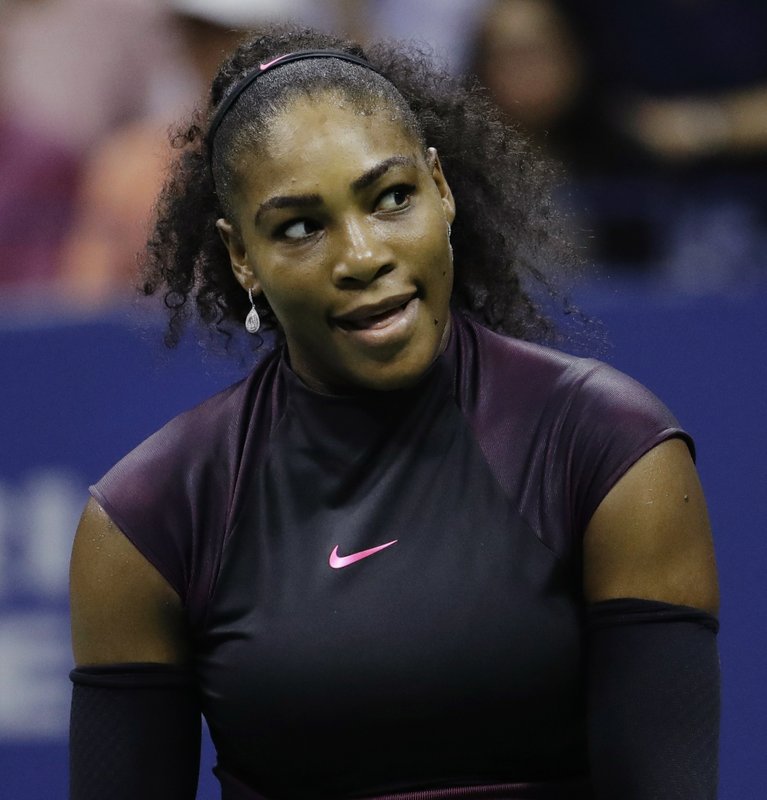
(650, 537)
(122, 609)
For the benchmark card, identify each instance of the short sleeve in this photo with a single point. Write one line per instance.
(611, 422)
(556, 430)
(164, 494)
(173, 495)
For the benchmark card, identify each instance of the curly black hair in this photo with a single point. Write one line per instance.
(508, 237)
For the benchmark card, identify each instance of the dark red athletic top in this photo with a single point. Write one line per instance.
(384, 590)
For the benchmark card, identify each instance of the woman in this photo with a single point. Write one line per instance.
(407, 556)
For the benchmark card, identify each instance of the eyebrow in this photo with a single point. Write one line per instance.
(374, 173)
(288, 201)
(357, 185)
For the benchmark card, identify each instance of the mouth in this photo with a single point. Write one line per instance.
(375, 316)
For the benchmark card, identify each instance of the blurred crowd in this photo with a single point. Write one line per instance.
(656, 112)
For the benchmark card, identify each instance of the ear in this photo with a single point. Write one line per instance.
(238, 255)
(448, 202)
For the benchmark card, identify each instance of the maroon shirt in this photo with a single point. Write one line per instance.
(385, 589)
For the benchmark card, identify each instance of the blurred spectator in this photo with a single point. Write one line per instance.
(78, 68)
(37, 183)
(658, 111)
(529, 55)
(445, 26)
(686, 80)
(121, 179)
(125, 171)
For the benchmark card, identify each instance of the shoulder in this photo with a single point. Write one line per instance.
(533, 378)
(499, 360)
(188, 441)
(200, 434)
(504, 358)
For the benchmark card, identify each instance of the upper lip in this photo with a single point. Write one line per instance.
(372, 309)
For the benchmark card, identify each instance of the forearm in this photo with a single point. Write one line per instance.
(134, 733)
(653, 701)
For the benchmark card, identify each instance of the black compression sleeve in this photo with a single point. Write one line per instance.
(134, 733)
(653, 701)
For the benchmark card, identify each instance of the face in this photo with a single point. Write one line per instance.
(342, 222)
(531, 63)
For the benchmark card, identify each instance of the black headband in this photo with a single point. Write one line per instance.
(243, 83)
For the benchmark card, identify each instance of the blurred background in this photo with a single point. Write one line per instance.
(656, 113)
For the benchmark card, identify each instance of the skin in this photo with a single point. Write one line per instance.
(531, 62)
(649, 538)
(341, 212)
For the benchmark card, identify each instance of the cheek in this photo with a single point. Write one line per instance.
(428, 238)
(287, 285)
(437, 255)
(299, 308)
(291, 305)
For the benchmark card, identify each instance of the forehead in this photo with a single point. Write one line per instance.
(318, 141)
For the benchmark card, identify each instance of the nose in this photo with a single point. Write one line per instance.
(363, 254)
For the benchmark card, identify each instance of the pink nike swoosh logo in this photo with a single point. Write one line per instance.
(337, 562)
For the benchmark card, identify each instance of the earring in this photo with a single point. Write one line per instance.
(252, 321)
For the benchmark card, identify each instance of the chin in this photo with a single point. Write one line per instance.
(411, 367)
(400, 373)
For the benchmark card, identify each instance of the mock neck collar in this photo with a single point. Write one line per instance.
(442, 369)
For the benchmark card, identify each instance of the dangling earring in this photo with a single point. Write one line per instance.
(252, 321)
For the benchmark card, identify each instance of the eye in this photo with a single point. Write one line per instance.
(297, 229)
(396, 198)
